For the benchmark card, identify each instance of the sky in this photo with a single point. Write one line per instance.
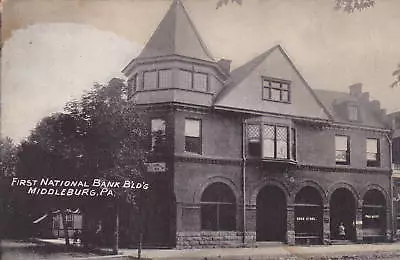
(54, 50)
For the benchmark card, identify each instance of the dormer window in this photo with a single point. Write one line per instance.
(275, 90)
(352, 111)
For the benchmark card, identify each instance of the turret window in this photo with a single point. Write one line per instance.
(193, 80)
(149, 80)
(157, 79)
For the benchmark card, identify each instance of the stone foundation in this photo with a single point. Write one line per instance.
(214, 239)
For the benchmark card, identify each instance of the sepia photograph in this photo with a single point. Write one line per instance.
(200, 129)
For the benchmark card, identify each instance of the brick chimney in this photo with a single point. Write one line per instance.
(365, 96)
(225, 65)
(376, 105)
(355, 90)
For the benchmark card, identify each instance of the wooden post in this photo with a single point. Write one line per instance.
(116, 231)
(64, 221)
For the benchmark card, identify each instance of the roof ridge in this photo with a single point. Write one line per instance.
(176, 34)
(253, 63)
(196, 32)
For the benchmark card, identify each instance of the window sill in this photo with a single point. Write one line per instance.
(192, 154)
(273, 161)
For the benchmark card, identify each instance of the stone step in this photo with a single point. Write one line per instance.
(341, 242)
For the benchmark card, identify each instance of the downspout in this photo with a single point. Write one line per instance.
(244, 179)
(391, 187)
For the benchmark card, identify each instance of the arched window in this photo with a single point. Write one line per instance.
(218, 208)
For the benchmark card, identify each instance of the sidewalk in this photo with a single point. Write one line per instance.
(278, 252)
(272, 252)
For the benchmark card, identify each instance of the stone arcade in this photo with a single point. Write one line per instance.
(255, 154)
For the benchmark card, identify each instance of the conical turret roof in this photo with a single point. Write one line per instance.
(176, 35)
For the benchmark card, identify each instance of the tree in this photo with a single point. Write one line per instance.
(57, 140)
(8, 159)
(396, 75)
(8, 156)
(354, 5)
(115, 138)
(100, 136)
(345, 5)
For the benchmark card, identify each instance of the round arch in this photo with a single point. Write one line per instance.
(269, 182)
(374, 206)
(378, 188)
(346, 186)
(308, 210)
(218, 208)
(200, 190)
(313, 184)
(271, 213)
(343, 202)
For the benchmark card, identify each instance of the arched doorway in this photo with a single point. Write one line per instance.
(157, 220)
(271, 214)
(308, 216)
(374, 215)
(218, 208)
(342, 213)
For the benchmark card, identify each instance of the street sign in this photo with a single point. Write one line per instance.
(156, 167)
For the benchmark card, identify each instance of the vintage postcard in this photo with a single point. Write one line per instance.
(200, 129)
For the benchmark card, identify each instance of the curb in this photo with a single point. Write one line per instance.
(108, 257)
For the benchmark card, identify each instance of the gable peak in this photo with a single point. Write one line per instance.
(176, 35)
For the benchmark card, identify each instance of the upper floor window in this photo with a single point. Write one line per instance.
(158, 135)
(253, 140)
(352, 111)
(132, 83)
(157, 79)
(193, 141)
(293, 144)
(342, 144)
(193, 80)
(276, 90)
(373, 152)
(270, 141)
(396, 150)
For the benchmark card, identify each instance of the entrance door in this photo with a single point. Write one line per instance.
(271, 214)
(374, 216)
(158, 216)
(342, 213)
(308, 216)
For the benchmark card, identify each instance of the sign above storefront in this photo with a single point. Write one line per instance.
(156, 167)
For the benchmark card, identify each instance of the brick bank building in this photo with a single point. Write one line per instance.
(255, 154)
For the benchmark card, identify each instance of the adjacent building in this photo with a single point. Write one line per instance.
(395, 122)
(255, 154)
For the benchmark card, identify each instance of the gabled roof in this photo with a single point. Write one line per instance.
(245, 72)
(240, 73)
(337, 104)
(176, 35)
